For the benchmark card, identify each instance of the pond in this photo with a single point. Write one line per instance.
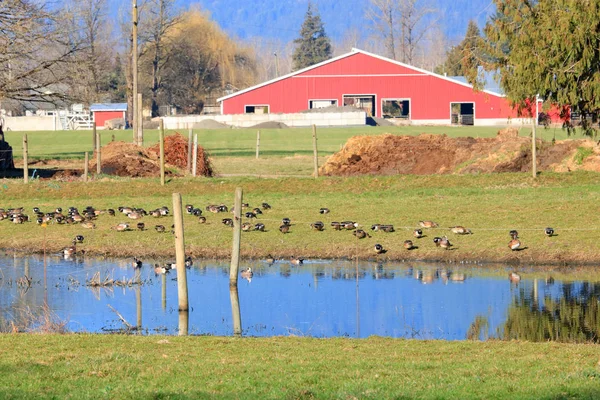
(317, 299)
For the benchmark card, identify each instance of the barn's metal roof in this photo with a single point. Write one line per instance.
(109, 107)
(353, 52)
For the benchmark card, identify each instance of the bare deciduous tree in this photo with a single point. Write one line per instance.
(384, 15)
(36, 45)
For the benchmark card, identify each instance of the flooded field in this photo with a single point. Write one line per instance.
(318, 299)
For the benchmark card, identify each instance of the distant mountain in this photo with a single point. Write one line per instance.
(281, 19)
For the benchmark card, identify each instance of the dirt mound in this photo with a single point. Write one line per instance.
(270, 125)
(210, 124)
(437, 154)
(127, 159)
(176, 154)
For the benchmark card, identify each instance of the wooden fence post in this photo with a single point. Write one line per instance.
(86, 167)
(182, 289)
(25, 160)
(257, 143)
(163, 291)
(315, 152)
(195, 156)
(189, 160)
(140, 128)
(533, 152)
(98, 156)
(94, 134)
(161, 139)
(237, 237)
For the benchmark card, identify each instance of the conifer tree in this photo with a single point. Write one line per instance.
(465, 55)
(313, 45)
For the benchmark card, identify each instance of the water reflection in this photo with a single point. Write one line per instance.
(320, 299)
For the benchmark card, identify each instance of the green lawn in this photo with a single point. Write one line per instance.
(489, 204)
(137, 367)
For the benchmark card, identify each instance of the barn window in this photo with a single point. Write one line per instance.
(395, 108)
(321, 103)
(462, 113)
(256, 109)
(362, 101)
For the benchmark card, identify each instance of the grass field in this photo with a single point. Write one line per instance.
(134, 367)
(489, 204)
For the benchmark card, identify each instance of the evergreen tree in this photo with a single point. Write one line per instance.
(313, 45)
(547, 48)
(463, 56)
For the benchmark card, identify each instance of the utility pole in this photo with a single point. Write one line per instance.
(134, 66)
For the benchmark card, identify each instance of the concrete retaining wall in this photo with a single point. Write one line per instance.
(292, 120)
(33, 123)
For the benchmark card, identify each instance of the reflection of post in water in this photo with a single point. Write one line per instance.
(164, 291)
(184, 318)
(138, 305)
(235, 311)
(26, 262)
(357, 303)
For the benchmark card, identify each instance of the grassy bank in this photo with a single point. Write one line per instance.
(490, 205)
(86, 366)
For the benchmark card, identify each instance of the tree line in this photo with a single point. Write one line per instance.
(81, 52)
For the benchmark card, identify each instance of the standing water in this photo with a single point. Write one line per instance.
(317, 299)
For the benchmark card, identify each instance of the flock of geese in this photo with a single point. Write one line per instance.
(85, 218)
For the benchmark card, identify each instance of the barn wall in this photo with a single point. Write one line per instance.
(102, 116)
(360, 73)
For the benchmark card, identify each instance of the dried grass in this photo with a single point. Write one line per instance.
(176, 153)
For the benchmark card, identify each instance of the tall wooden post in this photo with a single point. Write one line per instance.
(237, 237)
(98, 155)
(163, 291)
(235, 310)
(533, 152)
(25, 160)
(315, 152)
(94, 134)
(195, 155)
(140, 118)
(86, 164)
(182, 289)
(257, 143)
(161, 141)
(184, 319)
(189, 154)
(134, 67)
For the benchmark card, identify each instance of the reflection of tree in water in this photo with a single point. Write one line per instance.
(574, 317)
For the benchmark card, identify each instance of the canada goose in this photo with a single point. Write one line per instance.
(136, 263)
(266, 206)
(189, 208)
(135, 215)
(379, 249)
(336, 226)
(375, 227)
(387, 228)
(408, 245)
(227, 221)
(212, 208)
(259, 227)
(88, 225)
(286, 221)
(196, 212)
(189, 262)
(79, 238)
(164, 211)
(70, 251)
(270, 259)
(349, 225)
(122, 227)
(360, 234)
(141, 226)
(257, 211)
(296, 260)
(250, 214)
(223, 208)
(514, 244)
(418, 233)
(514, 234)
(317, 226)
(246, 226)
(155, 213)
(160, 270)
(111, 212)
(437, 240)
(202, 219)
(284, 228)
(445, 243)
(247, 274)
(160, 228)
(324, 211)
(514, 277)
(428, 224)
(549, 232)
(461, 230)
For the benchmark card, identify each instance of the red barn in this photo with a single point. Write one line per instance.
(381, 86)
(104, 111)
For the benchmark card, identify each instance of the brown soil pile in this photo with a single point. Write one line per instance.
(437, 154)
(127, 159)
(176, 154)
